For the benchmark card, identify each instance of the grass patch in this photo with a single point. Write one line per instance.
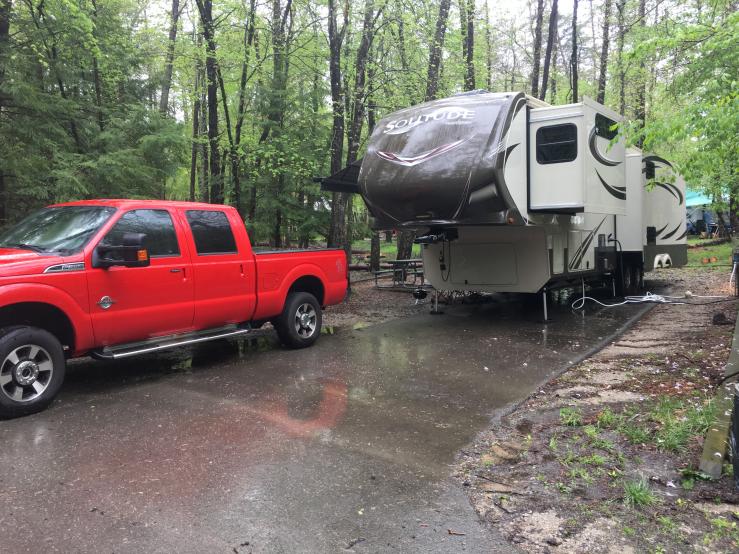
(572, 417)
(678, 422)
(638, 494)
(722, 252)
(607, 419)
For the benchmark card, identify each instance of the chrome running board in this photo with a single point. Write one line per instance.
(165, 343)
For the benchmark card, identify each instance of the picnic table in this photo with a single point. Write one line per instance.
(400, 271)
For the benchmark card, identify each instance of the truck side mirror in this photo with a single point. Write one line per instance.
(131, 253)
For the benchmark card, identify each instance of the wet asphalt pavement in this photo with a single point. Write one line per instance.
(246, 447)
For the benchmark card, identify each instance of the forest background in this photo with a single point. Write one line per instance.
(247, 101)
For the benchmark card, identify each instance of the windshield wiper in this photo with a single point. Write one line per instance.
(24, 246)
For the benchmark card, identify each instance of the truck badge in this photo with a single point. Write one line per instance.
(106, 302)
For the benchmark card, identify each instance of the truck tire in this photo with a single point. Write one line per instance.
(32, 367)
(299, 325)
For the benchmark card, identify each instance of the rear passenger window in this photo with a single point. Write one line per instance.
(556, 144)
(161, 238)
(211, 231)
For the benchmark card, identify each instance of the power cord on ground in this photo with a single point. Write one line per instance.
(654, 298)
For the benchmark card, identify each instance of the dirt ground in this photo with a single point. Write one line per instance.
(604, 458)
(368, 305)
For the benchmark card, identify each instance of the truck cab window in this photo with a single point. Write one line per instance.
(556, 144)
(161, 238)
(212, 232)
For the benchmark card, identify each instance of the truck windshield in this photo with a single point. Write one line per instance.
(64, 230)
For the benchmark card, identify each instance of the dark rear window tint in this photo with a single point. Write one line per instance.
(556, 144)
(211, 231)
(605, 127)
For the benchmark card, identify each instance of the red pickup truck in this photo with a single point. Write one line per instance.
(118, 278)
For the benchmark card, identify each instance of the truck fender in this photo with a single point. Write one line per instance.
(57, 298)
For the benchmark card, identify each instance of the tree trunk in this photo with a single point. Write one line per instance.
(488, 48)
(574, 56)
(432, 80)
(537, 49)
(601, 97)
(249, 30)
(551, 37)
(167, 79)
(553, 69)
(620, 6)
(205, 7)
(96, 79)
(338, 200)
(405, 244)
(641, 85)
(195, 133)
(388, 237)
(467, 14)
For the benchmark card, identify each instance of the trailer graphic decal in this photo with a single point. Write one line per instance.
(597, 155)
(583, 248)
(668, 235)
(673, 190)
(658, 233)
(617, 192)
(654, 159)
(410, 161)
(508, 152)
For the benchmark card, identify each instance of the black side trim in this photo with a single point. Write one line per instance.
(597, 155)
(681, 237)
(616, 192)
(657, 234)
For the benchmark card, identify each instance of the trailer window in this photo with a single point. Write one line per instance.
(212, 232)
(605, 127)
(161, 238)
(556, 143)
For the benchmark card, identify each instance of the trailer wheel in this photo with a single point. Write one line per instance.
(32, 368)
(299, 325)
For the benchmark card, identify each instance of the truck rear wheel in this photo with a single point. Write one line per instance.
(32, 368)
(299, 325)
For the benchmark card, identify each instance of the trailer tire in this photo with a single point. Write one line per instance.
(32, 368)
(299, 325)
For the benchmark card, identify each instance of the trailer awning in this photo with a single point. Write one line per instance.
(344, 180)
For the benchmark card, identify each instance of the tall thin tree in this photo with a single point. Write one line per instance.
(551, 37)
(574, 61)
(536, 62)
(169, 60)
(205, 8)
(467, 14)
(601, 96)
(437, 46)
(335, 40)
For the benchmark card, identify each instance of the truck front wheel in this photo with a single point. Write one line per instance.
(32, 370)
(299, 325)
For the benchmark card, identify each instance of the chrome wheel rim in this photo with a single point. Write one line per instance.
(305, 320)
(26, 373)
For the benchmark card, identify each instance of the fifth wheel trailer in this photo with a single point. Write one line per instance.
(509, 194)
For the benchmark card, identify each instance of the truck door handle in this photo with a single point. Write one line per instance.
(175, 270)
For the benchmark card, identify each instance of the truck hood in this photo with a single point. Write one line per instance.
(25, 262)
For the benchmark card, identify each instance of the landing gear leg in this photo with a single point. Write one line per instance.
(435, 310)
(544, 301)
